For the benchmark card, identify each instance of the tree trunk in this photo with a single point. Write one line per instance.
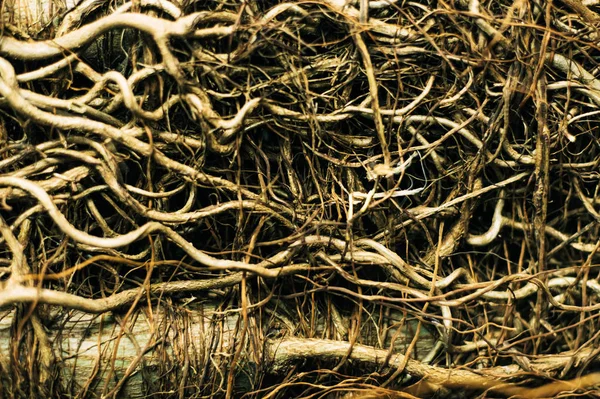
(184, 349)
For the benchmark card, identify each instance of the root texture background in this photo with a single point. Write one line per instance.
(303, 199)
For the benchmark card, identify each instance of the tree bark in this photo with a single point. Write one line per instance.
(180, 350)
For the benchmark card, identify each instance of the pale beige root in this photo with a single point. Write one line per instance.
(283, 353)
(428, 386)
